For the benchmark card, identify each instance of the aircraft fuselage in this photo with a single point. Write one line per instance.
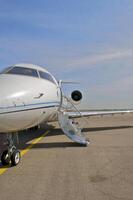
(26, 101)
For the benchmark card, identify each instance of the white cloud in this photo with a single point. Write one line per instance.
(116, 88)
(100, 58)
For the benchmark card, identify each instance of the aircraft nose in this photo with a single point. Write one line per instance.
(9, 99)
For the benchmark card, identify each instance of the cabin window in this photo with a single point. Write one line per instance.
(23, 71)
(46, 76)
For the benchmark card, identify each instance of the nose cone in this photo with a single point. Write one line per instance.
(11, 90)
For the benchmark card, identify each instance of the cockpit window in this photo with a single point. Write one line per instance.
(23, 71)
(4, 71)
(46, 76)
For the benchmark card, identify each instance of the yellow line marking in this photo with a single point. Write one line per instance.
(3, 169)
(35, 141)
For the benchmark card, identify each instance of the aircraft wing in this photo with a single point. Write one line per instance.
(70, 128)
(96, 113)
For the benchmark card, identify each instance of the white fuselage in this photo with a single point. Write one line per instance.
(26, 101)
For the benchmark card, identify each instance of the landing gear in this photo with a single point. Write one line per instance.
(5, 158)
(15, 158)
(11, 154)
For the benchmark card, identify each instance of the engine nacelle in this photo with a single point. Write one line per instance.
(76, 96)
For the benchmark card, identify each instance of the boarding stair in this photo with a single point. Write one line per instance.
(70, 126)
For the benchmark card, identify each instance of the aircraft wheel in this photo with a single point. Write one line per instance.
(15, 158)
(5, 158)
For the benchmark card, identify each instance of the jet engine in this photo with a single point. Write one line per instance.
(76, 96)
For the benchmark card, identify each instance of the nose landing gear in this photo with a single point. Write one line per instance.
(11, 154)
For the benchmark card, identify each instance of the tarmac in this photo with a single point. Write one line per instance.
(55, 168)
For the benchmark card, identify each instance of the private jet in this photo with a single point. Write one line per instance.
(29, 96)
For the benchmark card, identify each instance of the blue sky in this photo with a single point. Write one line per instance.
(86, 41)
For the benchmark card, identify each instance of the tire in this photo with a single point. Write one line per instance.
(5, 158)
(15, 158)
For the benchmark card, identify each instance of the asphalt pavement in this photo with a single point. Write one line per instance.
(55, 168)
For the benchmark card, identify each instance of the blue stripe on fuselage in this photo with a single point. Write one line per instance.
(19, 108)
